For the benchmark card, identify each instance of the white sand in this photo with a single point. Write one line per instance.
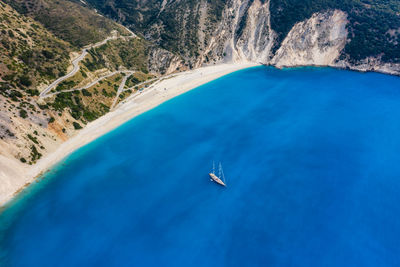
(15, 175)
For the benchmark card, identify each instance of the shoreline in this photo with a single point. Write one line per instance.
(15, 176)
(388, 71)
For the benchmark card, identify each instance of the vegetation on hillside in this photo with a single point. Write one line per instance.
(67, 20)
(373, 24)
(175, 27)
(35, 50)
(29, 54)
(131, 54)
(36, 41)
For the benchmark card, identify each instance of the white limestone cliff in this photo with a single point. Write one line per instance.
(316, 41)
(243, 35)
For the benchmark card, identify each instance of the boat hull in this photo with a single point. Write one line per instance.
(216, 179)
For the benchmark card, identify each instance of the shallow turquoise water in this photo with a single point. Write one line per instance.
(312, 160)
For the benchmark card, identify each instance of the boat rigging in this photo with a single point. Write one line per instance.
(220, 179)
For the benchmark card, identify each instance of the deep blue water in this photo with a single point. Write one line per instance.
(312, 160)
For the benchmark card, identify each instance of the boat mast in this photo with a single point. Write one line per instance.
(213, 171)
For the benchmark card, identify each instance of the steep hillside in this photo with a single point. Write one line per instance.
(317, 41)
(67, 20)
(30, 56)
(64, 65)
(231, 30)
(42, 106)
(373, 24)
(242, 34)
(182, 27)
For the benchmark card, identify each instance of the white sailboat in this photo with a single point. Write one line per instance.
(220, 179)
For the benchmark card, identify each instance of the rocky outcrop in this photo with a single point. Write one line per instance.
(320, 41)
(370, 64)
(243, 35)
(163, 62)
(316, 41)
(207, 32)
(257, 38)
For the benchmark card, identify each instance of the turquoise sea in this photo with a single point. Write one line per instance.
(312, 161)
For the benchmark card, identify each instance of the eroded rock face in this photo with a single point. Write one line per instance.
(205, 32)
(243, 35)
(316, 41)
(163, 62)
(257, 39)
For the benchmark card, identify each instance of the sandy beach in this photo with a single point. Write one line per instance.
(14, 175)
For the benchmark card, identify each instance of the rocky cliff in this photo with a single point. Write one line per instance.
(316, 41)
(174, 36)
(346, 34)
(39, 38)
(245, 34)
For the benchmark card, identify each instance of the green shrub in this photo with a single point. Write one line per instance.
(35, 155)
(86, 92)
(33, 92)
(23, 114)
(24, 80)
(76, 125)
(33, 139)
(48, 54)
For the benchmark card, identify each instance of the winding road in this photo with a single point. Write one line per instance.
(121, 88)
(76, 61)
(46, 92)
(92, 83)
